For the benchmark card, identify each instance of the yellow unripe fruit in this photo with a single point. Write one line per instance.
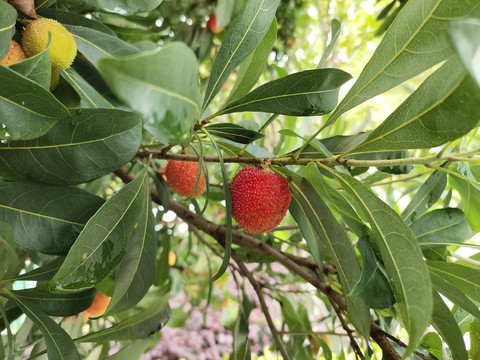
(63, 48)
(15, 54)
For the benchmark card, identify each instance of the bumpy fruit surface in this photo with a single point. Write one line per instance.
(260, 199)
(15, 54)
(182, 175)
(62, 49)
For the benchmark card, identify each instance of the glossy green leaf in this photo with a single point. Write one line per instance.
(8, 17)
(465, 37)
(101, 246)
(336, 241)
(136, 273)
(455, 295)
(234, 133)
(27, 110)
(400, 254)
(142, 324)
(307, 93)
(372, 289)
(334, 33)
(433, 344)
(46, 218)
(59, 344)
(57, 304)
(465, 279)
(474, 329)
(419, 25)
(125, 7)
(252, 67)
(36, 68)
(242, 38)
(94, 44)
(134, 350)
(469, 193)
(8, 256)
(42, 273)
(444, 322)
(71, 18)
(441, 227)
(425, 119)
(87, 92)
(425, 197)
(160, 87)
(97, 142)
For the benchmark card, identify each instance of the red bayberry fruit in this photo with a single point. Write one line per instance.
(182, 175)
(260, 199)
(212, 24)
(15, 54)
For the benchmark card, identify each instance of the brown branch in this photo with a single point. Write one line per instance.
(263, 304)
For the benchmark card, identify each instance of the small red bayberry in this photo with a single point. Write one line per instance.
(260, 199)
(212, 24)
(182, 175)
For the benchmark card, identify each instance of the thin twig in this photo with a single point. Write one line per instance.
(402, 344)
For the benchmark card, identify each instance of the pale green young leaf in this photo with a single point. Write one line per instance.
(465, 37)
(334, 33)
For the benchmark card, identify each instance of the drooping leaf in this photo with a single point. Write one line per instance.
(27, 110)
(307, 93)
(142, 324)
(8, 17)
(425, 119)
(234, 133)
(465, 279)
(125, 7)
(136, 273)
(160, 87)
(36, 68)
(335, 33)
(419, 25)
(465, 38)
(425, 197)
(372, 289)
(243, 36)
(97, 142)
(59, 344)
(46, 218)
(252, 67)
(444, 322)
(441, 227)
(400, 254)
(336, 241)
(94, 44)
(455, 295)
(101, 246)
(42, 273)
(57, 304)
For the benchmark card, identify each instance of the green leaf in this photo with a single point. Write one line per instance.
(46, 218)
(87, 92)
(425, 197)
(57, 304)
(142, 324)
(441, 227)
(444, 322)
(27, 110)
(243, 37)
(36, 68)
(94, 44)
(252, 67)
(8, 257)
(465, 38)
(464, 278)
(400, 254)
(335, 33)
(433, 344)
(97, 142)
(240, 331)
(474, 330)
(372, 289)
(160, 87)
(307, 93)
(469, 193)
(59, 344)
(336, 241)
(134, 350)
(419, 25)
(42, 273)
(453, 294)
(136, 273)
(124, 7)
(101, 246)
(8, 18)
(424, 120)
(234, 133)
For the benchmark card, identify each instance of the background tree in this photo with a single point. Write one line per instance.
(384, 202)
